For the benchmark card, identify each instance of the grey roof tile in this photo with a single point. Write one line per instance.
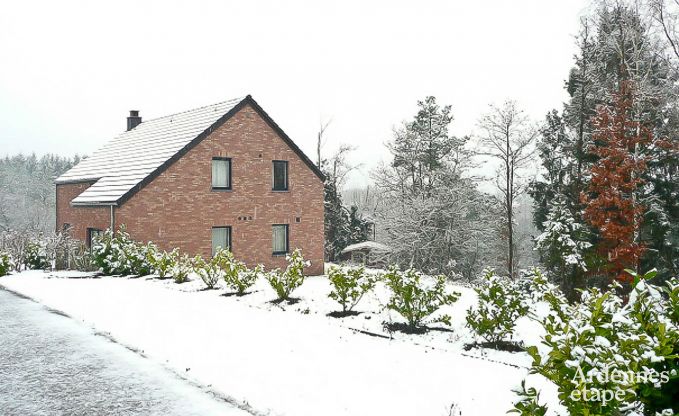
(132, 156)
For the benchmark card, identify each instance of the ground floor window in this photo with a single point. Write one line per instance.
(221, 238)
(92, 235)
(280, 239)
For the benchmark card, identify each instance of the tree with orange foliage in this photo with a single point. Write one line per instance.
(611, 201)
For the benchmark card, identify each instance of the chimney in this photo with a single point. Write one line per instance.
(133, 120)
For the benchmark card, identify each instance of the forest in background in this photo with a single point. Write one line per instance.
(607, 196)
(27, 191)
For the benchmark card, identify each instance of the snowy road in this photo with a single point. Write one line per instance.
(51, 365)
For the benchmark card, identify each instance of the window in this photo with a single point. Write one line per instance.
(280, 239)
(92, 235)
(221, 238)
(280, 175)
(221, 173)
(66, 227)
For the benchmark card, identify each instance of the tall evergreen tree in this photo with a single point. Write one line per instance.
(562, 245)
(617, 44)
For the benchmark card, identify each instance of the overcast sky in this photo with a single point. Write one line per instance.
(71, 70)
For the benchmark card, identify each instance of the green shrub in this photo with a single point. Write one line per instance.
(500, 303)
(211, 271)
(35, 256)
(655, 315)
(415, 300)
(529, 402)
(164, 262)
(117, 254)
(5, 264)
(349, 285)
(139, 258)
(286, 282)
(603, 344)
(181, 268)
(236, 274)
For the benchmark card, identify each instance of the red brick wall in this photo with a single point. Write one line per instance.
(79, 218)
(178, 208)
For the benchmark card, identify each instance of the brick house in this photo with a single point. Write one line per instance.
(222, 175)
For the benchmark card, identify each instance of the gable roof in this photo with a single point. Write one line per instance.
(135, 157)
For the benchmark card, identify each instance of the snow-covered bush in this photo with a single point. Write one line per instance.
(117, 254)
(181, 268)
(210, 271)
(608, 357)
(5, 264)
(245, 279)
(672, 290)
(163, 262)
(501, 303)
(236, 274)
(349, 285)
(284, 283)
(529, 402)
(15, 244)
(140, 258)
(35, 257)
(415, 300)
(655, 316)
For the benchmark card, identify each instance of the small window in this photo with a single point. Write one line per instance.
(92, 235)
(221, 173)
(280, 239)
(221, 238)
(280, 175)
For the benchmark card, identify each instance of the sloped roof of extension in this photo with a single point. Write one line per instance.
(132, 159)
(367, 245)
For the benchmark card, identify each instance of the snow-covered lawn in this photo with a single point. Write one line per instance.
(294, 359)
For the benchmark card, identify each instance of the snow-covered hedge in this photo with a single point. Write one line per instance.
(349, 285)
(117, 254)
(501, 303)
(5, 264)
(611, 357)
(181, 268)
(210, 271)
(415, 299)
(36, 256)
(31, 250)
(237, 276)
(284, 283)
(163, 263)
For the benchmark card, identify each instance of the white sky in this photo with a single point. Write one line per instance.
(71, 70)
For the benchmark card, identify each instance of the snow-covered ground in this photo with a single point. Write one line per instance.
(294, 359)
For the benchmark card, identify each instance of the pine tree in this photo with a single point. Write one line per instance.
(612, 200)
(562, 245)
(336, 222)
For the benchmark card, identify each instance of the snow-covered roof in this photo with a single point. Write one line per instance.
(371, 245)
(132, 156)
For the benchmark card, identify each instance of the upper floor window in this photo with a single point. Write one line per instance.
(221, 238)
(221, 173)
(280, 175)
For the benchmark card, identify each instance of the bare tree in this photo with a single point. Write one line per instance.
(508, 138)
(339, 165)
(666, 15)
(319, 142)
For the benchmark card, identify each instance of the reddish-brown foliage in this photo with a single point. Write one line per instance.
(611, 200)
